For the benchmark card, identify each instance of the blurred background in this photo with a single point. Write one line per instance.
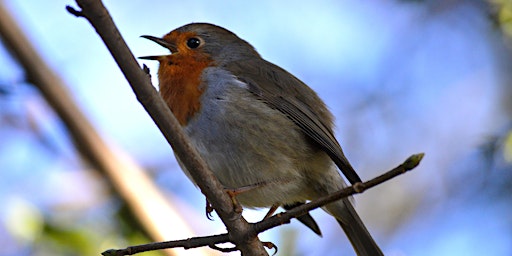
(401, 77)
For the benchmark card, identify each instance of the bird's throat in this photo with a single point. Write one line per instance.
(180, 84)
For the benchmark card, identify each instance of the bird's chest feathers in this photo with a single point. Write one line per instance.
(180, 84)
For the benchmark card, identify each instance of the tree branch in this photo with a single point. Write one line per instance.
(118, 170)
(195, 242)
(281, 218)
(278, 219)
(239, 230)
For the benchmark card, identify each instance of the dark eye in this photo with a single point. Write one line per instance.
(193, 43)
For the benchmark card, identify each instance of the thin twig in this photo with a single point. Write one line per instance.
(358, 187)
(74, 11)
(195, 242)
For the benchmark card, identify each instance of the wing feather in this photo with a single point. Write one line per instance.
(271, 83)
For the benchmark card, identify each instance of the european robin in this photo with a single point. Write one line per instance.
(256, 125)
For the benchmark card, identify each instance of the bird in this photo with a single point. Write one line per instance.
(256, 126)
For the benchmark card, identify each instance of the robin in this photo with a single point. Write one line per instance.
(256, 125)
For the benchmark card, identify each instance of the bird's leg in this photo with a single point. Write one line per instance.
(233, 192)
(236, 205)
(271, 211)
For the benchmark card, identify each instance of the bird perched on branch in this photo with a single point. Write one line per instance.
(261, 130)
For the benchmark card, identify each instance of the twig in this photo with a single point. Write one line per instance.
(277, 219)
(240, 231)
(195, 242)
(358, 187)
(74, 11)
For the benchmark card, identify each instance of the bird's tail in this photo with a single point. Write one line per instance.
(359, 237)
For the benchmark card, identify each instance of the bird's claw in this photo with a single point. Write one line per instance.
(270, 245)
(209, 210)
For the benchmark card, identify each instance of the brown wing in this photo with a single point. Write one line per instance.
(270, 83)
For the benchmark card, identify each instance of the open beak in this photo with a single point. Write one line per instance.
(161, 42)
(154, 57)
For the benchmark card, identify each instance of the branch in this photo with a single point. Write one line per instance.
(281, 218)
(120, 171)
(240, 231)
(195, 242)
(277, 219)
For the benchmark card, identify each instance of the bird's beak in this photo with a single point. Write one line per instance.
(154, 57)
(161, 42)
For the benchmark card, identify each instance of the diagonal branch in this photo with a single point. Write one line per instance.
(119, 170)
(239, 229)
(281, 218)
(278, 219)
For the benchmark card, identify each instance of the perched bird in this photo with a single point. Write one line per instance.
(256, 125)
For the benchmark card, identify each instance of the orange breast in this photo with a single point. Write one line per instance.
(180, 76)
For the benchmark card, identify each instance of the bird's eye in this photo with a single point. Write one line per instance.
(193, 43)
